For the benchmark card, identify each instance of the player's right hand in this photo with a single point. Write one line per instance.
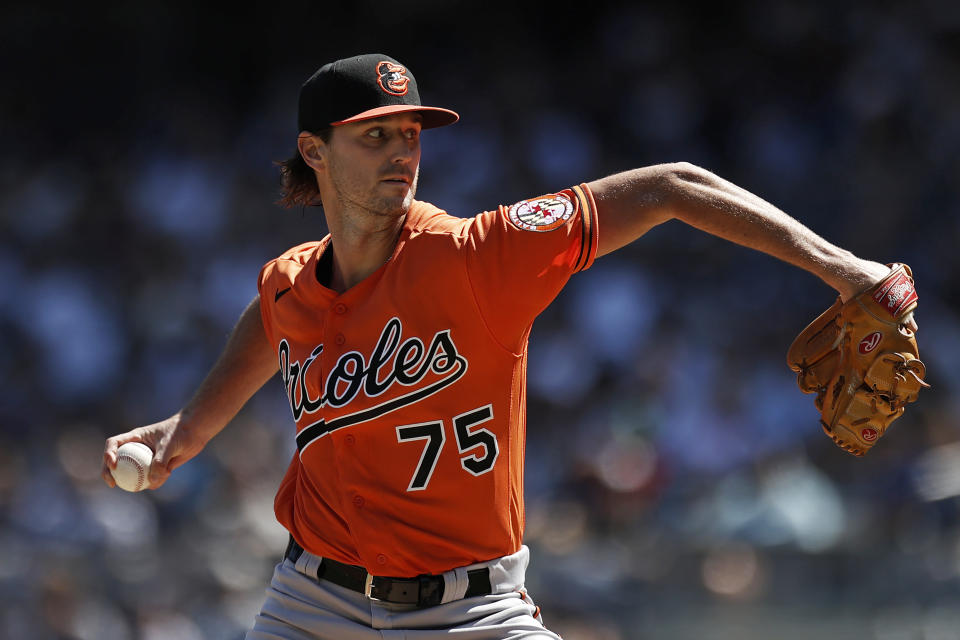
(172, 445)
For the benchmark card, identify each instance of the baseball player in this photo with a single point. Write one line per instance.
(401, 342)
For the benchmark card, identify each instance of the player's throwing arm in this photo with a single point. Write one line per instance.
(246, 363)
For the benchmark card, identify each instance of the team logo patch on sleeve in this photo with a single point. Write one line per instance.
(545, 213)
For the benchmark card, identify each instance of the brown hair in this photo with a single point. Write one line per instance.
(298, 183)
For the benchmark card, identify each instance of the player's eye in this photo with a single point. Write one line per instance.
(412, 134)
(375, 133)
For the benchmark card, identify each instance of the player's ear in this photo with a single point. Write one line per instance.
(312, 149)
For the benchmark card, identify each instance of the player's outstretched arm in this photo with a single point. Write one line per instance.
(246, 363)
(631, 203)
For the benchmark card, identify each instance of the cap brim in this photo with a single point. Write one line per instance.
(432, 116)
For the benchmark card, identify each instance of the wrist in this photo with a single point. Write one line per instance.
(190, 428)
(200, 426)
(854, 275)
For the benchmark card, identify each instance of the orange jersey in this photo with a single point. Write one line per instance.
(409, 389)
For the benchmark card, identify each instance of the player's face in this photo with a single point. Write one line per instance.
(374, 165)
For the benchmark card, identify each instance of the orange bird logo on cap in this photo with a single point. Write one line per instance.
(392, 78)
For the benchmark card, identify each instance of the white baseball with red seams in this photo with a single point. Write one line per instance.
(133, 465)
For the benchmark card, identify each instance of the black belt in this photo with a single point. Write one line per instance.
(423, 591)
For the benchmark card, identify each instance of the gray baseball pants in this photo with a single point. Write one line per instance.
(300, 607)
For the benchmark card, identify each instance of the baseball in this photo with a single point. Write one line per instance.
(133, 465)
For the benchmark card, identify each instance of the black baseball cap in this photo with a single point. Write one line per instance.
(360, 88)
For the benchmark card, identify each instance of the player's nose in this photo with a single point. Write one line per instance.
(404, 151)
(403, 157)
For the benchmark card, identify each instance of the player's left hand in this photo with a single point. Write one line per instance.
(860, 357)
(866, 274)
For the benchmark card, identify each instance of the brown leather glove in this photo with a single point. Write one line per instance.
(861, 359)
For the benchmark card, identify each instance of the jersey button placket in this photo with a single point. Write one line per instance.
(358, 502)
(338, 339)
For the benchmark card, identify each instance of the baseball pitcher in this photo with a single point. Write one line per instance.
(401, 342)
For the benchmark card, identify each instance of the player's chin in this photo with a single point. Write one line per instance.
(398, 204)
(388, 209)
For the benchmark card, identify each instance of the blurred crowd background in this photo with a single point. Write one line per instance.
(678, 483)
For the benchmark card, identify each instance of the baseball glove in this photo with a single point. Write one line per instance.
(861, 359)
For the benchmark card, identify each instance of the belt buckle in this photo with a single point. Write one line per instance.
(368, 585)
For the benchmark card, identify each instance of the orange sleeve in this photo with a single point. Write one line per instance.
(275, 276)
(265, 300)
(520, 257)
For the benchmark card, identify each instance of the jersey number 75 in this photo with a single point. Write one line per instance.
(469, 438)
